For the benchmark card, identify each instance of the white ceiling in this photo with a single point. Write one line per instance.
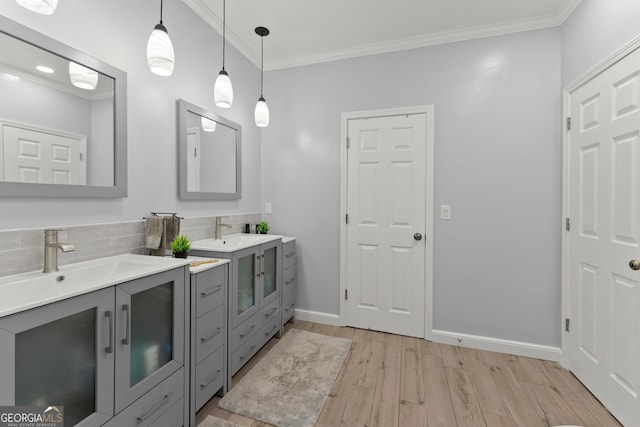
(312, 31)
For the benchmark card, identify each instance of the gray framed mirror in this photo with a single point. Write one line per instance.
(63, 114)
(208, 155)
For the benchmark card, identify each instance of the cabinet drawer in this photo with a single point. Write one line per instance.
(288, 279)
(244, 332)
(245, 352)
(209, 377)
(269, 330)
(288, 306)
(289, 254)
(174, 417)
(209, 333)
(147, 409)
(268, 312)
(210, 289)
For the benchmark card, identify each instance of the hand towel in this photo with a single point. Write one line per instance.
(172, 228)
(153, 229)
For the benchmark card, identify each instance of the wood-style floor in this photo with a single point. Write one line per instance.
(394, 381)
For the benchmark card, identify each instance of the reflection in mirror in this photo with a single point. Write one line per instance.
(62, 119)
(209, 155)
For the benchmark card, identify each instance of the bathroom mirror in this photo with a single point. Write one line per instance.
(62, 119)
(208, 155)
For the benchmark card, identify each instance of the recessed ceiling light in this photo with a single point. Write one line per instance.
(45, 69)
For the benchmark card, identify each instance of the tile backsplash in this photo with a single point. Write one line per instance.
(24, 249)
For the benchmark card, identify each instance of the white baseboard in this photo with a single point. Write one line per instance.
(498, 345)
(317, 317)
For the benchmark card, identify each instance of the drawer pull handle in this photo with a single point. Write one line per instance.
(210, 291)
(159, 405)
(127, 324)
(289, 308)
(271, 312)
(247, 332)
(290, 254)
(205, 385)
(109, 348)
(246, 356)
(266, 334)
(207, 338)
(290, 281)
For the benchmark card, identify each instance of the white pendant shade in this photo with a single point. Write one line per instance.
(43, 7)
(223, 91)
(83, 77)
(208, 125)
(262, 113)
(160, 56)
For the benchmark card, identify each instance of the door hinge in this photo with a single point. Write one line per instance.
(195, 152)
(567, 224)
(348, 143)
(81, 159)
(568, 123)
(345, 294)
(566, 324)
(346, 218)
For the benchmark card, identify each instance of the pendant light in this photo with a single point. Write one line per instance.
(262, 110)
(43, 7)
(223, 91)
(83, 77)
(160, 56)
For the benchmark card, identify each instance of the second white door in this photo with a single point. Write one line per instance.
(387, 233)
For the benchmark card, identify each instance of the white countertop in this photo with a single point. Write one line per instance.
(233, 242)
(23, 291)
(204, 263)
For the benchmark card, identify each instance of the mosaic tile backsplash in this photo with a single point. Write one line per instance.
(26, 247)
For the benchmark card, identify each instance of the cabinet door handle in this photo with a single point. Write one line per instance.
(127, 324)
(271, 312)
(154, 408)
(248, 353)
(109, 348)
(210, 291)
(205, 385)
(207, 338)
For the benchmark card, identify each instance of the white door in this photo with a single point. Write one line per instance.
(603, 301)
(387, 230)
(42, 157)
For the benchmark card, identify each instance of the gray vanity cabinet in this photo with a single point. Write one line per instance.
(111, 356)
(288, 279)
(208, 334)
(61, 354)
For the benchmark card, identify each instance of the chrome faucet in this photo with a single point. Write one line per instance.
(51, 246)
(219, 225)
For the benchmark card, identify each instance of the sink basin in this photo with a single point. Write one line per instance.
(233, 242)
(23, 291)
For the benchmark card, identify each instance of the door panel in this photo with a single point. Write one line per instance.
(604, 200)
(386, 195)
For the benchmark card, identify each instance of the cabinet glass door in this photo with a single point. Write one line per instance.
(61, 355)
(150, 333)
(270, 273)
(246, 283)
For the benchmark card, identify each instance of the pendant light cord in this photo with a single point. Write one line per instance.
(160, 12)
(261, 66)
(224, 29)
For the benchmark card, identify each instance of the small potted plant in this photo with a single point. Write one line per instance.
(180, 246)
(262, 227)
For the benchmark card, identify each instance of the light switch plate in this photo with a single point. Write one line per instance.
(445, 212)
(268, 208)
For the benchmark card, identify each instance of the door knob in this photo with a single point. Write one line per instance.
(634, 264)
(417, 236)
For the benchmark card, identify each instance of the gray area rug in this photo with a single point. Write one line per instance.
(212, 421)
(288, 386)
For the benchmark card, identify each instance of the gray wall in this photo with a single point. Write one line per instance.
(116, 32)
(596, 29)
(497, 163)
